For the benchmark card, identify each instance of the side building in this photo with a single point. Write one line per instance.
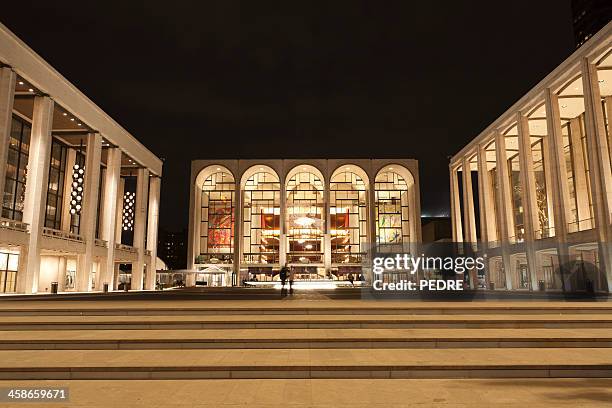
(540, 178)
(317, 216)
(80, 194)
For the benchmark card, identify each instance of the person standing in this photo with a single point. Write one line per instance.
(291, 281)
(351, 278)
(283, 277)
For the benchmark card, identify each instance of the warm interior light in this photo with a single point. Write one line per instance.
(20, 82)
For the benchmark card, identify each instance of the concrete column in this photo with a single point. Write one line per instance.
(468, 214)
(140, 222)
(455, 206)
(580, 180)
(61, 273)
(109, 215)
(487, 207)
(561, 207)
(36, 189)
(119, 210)
(327, 229)
(101, 203)
(237, 229)
(549, 184)
(504, 205)
(89, 213)
(528, 196)
(468, 202)
(7, 96)
(599, 162)
(282, 243)
(66, 216)
(153, 224)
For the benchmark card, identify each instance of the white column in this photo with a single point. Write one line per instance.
(468, 202)
(237, 230)
(599, 165)
(327, 258)
(140, 219)
(528, 195)
(109, 215)
(504, 205)
(282, 243)
(487, 207)
(36, 188)
(561, 197)
(455, 206)
(89, 212)
(7, 95)
(66, 216)
(152, 228)
(119, 210)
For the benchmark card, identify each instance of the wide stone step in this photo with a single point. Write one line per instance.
(281, 307)
(302, 322)
(300, 363)
(303, 338)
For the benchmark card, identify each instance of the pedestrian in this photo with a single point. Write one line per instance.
(351, 278)
(283, 277)
(291, 281)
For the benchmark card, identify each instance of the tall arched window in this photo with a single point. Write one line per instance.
(392, 209)
(217, 218)
(261, 218)
(305, 217)
(348, 216)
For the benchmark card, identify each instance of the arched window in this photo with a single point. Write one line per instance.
(217, 218)
(393, 209)
(348, 216)
(305, 216)
(261, 218)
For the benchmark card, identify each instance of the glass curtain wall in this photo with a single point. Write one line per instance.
(348, 217)
(217, 219)
(392, 212)
(514, 175)
(16, 169)
(261, 219)
(305, 218)
(55, 190)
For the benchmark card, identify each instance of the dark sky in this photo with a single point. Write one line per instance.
(255, 79)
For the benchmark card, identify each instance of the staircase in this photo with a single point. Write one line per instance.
(338, 339)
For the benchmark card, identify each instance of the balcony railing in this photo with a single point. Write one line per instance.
(65, 235)
(544, 233)
(101, 243)
(304, 257)
(214, 258)
(267, 257)
(7, 223)
(347, 257)
(580, 225)
(124, 247)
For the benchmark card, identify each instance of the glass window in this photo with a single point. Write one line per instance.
(392, 211)
(348, 217)
(305, 217)
(261, 219)
(55, 188)
(217, 218)
(16, 171)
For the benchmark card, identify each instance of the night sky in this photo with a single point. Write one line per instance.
(255, 79)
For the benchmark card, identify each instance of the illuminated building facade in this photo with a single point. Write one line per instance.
(540, 178)
(248, 218)
(80, 194)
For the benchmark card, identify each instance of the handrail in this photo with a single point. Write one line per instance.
(14, 225)
(125, 247)
(101, 243)
(65, 235)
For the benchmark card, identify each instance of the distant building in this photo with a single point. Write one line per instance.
(589, 16)
(172, 248)
(436, 229)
